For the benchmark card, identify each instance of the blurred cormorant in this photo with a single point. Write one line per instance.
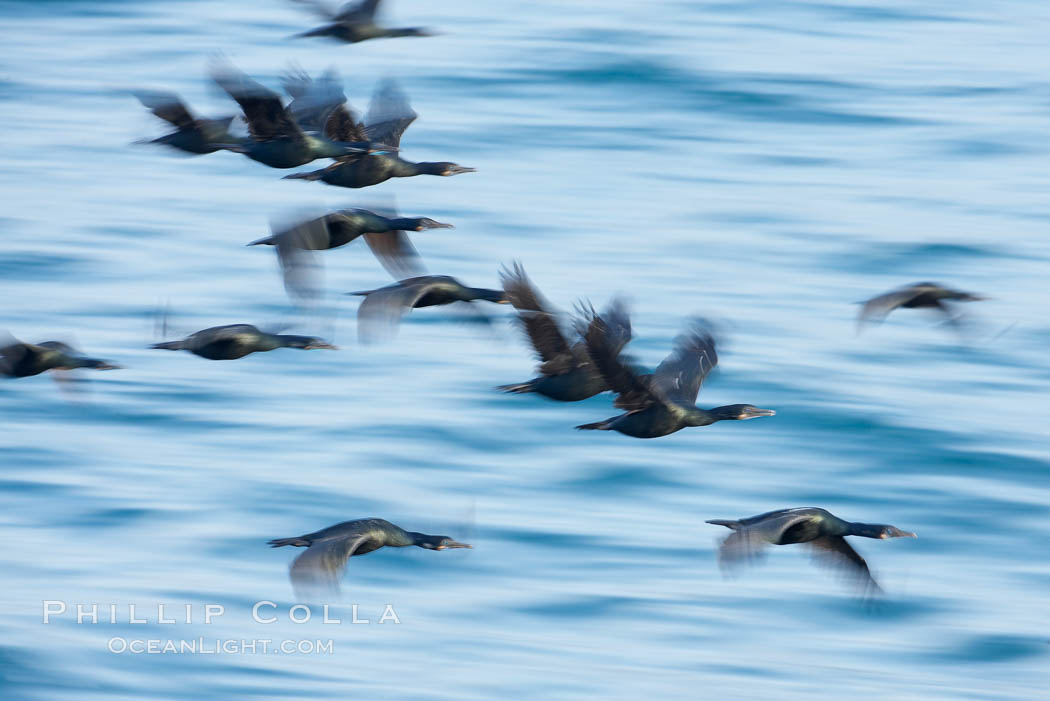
(18, 359)
(192, 134)
(927, 295)
(277, 139)
(389, 115)
(319, 569)
(354, 22)
(238, 340)
(663, 402)
(567, 373)
(382, 309)
(820, 529)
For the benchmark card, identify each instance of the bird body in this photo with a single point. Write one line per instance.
(318, 570)
(341, 227)
(817, 527)
(663, 402)
(193, 134)
(18, 359)
(567, 373)
(238, 340)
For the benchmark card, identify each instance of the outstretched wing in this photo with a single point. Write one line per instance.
(678, 378)
(746, 544)
(877, 308)
(381, 312)
(167, 106)
(314, 101)
(319, 8)
(357, 12)
(316, 573)
(604, 340)
(539, 319)
(389, 114)
(301, 268)
(267, 117)
(835, 552)
(341, 125)
(397, 255)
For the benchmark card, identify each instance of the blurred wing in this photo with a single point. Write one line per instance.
(876, 308)
(389, 114)
(397, 255)
(267, 117)
(603, 345)
(301, 268)
(381, 312)
(321, 9)
(314, 100)
(167, 106)
(363, 11)
(539, 320)
(834, 551)
(316, 573)
(60, 347)
(341, 126)
(746, 544)
(679, 376)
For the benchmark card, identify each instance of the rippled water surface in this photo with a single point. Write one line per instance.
(766, 163)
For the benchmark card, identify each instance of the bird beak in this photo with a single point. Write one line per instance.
(756, 412)
(456, 170)
(442, 225)
(320, 345)
(453, 544)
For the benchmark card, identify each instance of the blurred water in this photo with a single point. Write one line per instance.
(764, 162)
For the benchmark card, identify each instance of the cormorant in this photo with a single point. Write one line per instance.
(663, 402)
(389, 115)
(385, 235)
(319, 569)
(354, 22)
(18, 359)
(192, 134)
(380, 313)
(928, 295)
(238, 340)
(567, 373)
(277, 139)
(817, 527)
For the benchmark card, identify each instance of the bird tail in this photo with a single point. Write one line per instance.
(324, 31)
(168, 345)
(599, 426)
(312, 175)
(360, 293)
(520, 388)
(298, 542)
(728, 524)
(266, 240)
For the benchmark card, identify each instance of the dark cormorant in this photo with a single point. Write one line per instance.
(817, 527)
(567, 373)
(380, 313)
(663, 402)
(193, 134)
(18, 359)
(928, 295)
(238, 340)
(277, 139)
(319, 569)
(354, 22)
(385, 234)
(389, 115)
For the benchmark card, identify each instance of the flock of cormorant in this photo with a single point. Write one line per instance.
(579, 356)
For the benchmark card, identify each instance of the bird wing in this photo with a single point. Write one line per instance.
(301, 268)
(354, 12)
(834, 551)
(678, 378)
(397, 255)
(321, 9)
(539, 319)
(60, 347)
(317, 572)
(232, 333)
(604, 341)
(389, 114)
(877, 308)
(314, 101)
(746, 544)
(167, 106)
(267, 117)
(380, 313)
(342, 126)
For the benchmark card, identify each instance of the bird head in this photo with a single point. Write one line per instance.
(440, 542)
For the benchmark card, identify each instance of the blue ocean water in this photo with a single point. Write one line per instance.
(765, 163)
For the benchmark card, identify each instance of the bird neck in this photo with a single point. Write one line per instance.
(429, 168)
(403, 224)
(487, 295)
(867, 530)
(417, 539)
(704, 417)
